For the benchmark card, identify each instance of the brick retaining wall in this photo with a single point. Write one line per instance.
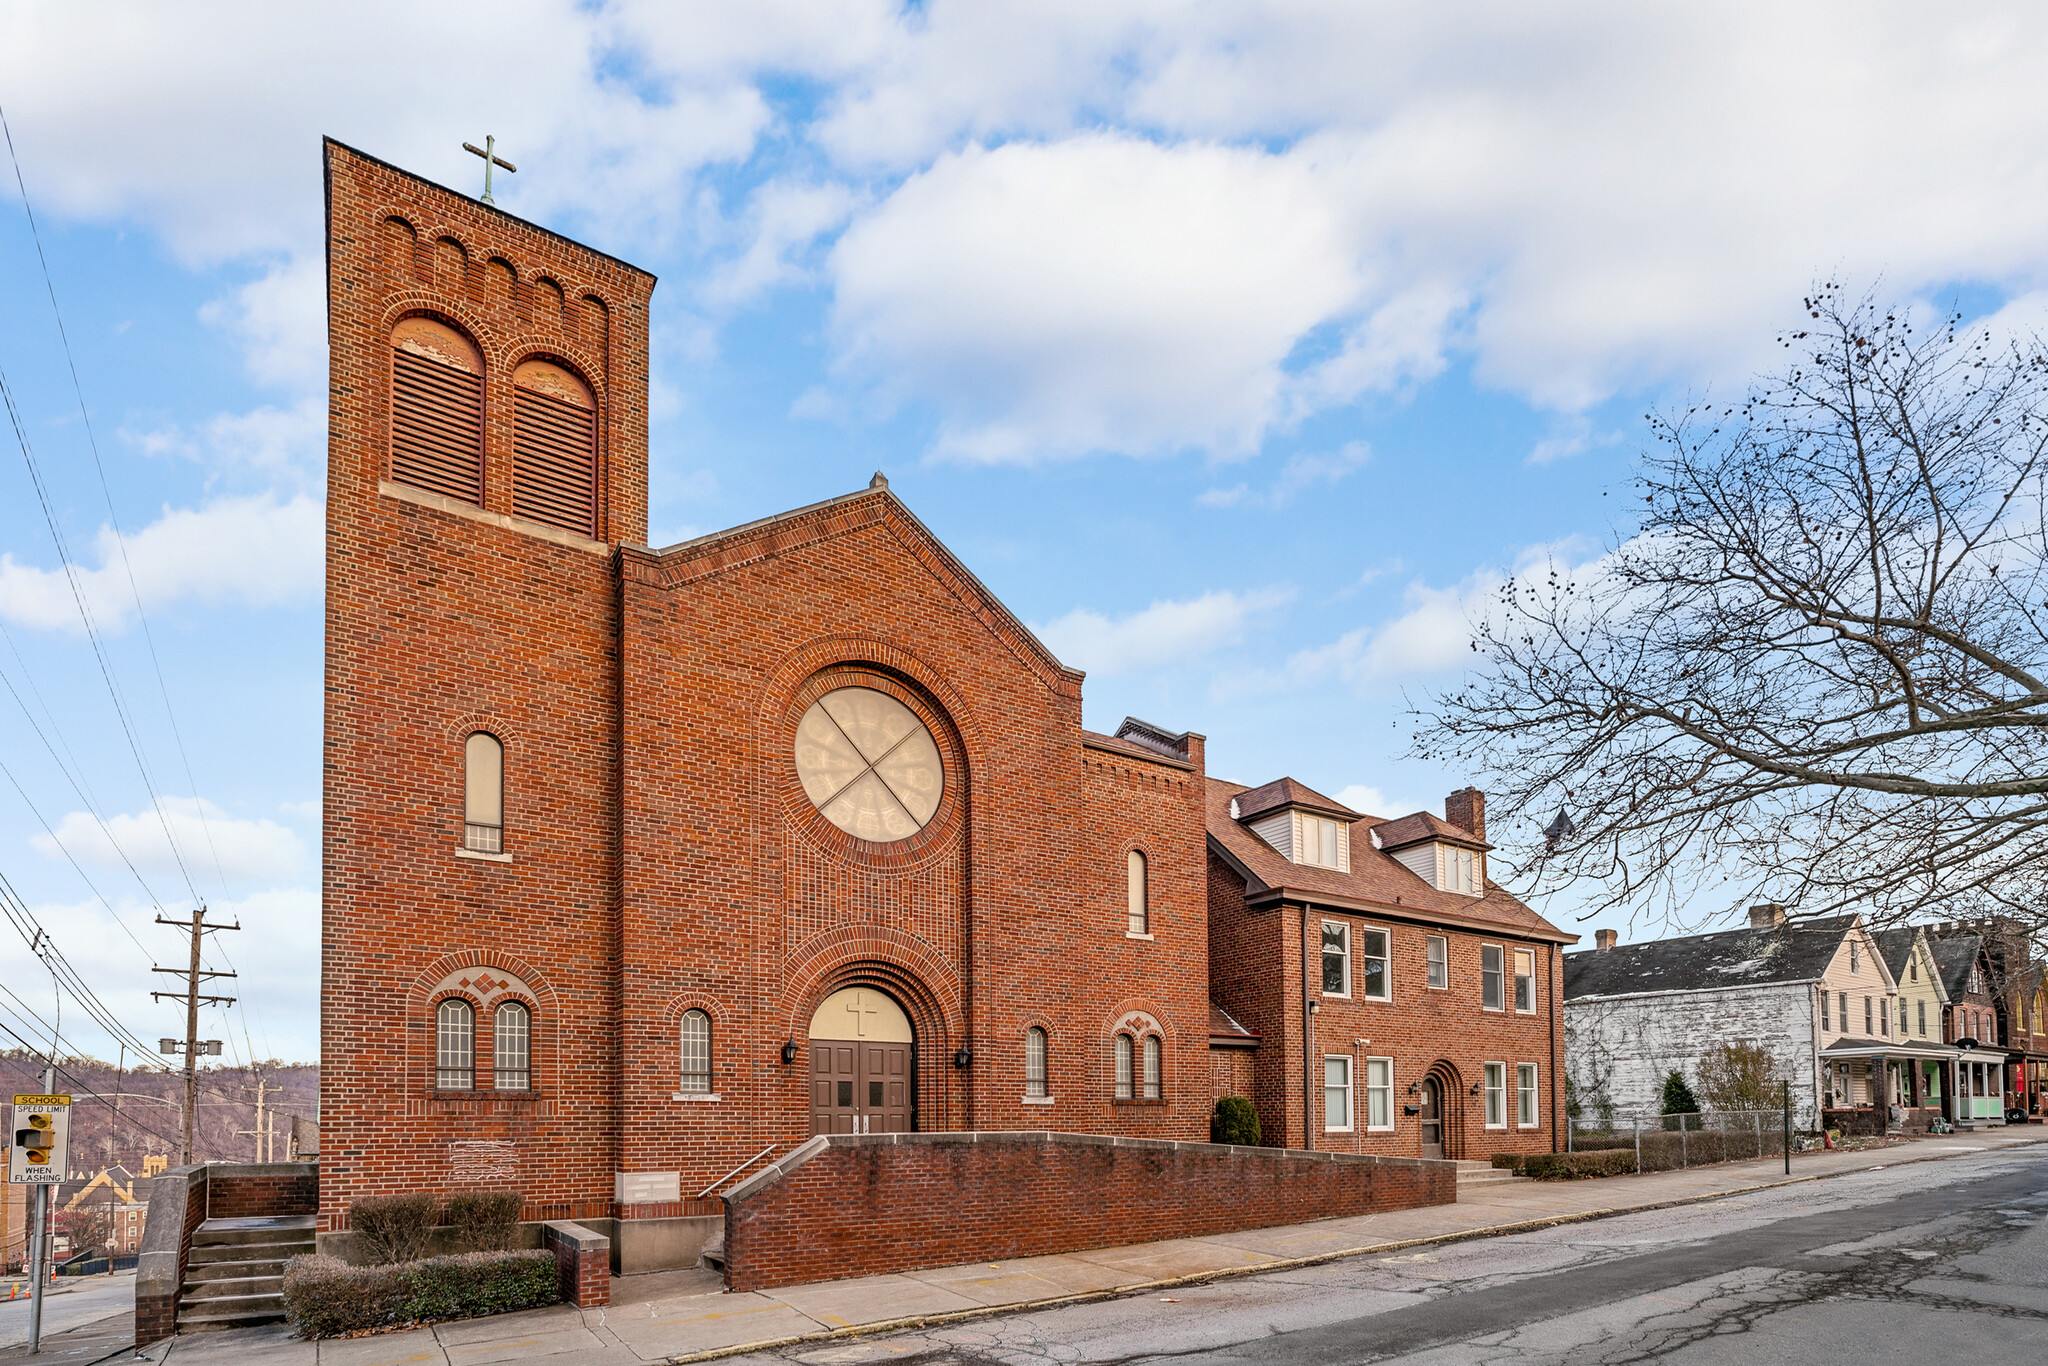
(861, 1204)
(177, 1205)
(584, 1258)
(269, 1189)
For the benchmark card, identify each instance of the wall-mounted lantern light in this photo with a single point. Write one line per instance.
(963, 1057)
(789, 1052)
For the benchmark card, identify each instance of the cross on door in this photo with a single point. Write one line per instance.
(862, 1011)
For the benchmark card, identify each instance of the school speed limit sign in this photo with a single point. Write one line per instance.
(40, 1135)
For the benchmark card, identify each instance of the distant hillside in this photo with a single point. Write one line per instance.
(148, 1121)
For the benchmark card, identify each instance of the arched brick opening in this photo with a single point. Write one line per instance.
(1451, 1106)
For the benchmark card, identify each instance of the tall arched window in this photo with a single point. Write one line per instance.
(437, 410)
(1141, 905)
(483, 794)
(455, 1046)
(512, 1048)
(1035, 1086)
(1123, 1067)
(1151, 1067)
(695, 1039)
(554, 447)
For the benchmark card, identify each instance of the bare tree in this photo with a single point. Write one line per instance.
(1814, 672)
(1739, 1075)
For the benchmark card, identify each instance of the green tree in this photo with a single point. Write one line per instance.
(1678, 1096)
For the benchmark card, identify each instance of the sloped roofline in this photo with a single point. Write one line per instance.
(718, 552)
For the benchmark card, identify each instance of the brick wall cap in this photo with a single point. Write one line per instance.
(577, 1236)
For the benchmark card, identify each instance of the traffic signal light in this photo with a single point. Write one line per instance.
(38, 1138)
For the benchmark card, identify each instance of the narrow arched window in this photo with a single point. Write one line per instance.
(512, 1048)
(483, 794)
(454, 1046)
(1151, 1067)
(437, 410)
(1035, 1087)
(695, 1041)
(1123, 1067)
(1140, 895)
(554, 447)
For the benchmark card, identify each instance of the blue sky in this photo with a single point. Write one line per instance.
(1240, 349)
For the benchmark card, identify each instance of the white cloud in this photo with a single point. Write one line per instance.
(782, 220)
(281, 321)
(1569, 436)
(1302, 472)
(285, 445)
(1164, 633)
(154, 840)
(257, 551)
(1104, 293)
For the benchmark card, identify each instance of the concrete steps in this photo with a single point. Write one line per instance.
(1472, 1175)
(234, 1277)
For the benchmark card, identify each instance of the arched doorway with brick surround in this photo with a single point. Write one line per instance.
(902, 976)
(1450, 1105)
(863, 1064)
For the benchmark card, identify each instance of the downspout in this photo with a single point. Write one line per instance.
(1308, 1043)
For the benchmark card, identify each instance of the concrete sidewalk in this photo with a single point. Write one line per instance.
(684, 1315)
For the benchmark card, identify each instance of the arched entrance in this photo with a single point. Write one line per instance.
(863, 1064)
(1443, 1099)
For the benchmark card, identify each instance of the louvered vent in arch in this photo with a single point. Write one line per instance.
(554, 449)
(437, 410)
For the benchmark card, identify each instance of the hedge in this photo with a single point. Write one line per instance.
(325, 1297)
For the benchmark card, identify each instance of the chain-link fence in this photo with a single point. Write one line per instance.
(1658, 1143)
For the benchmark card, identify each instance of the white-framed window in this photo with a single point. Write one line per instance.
(1525, 1094)
(1824, 1024)
(1379, 1093)
(1152, 1068)
(1492, 989)
(511, 1048)
(1035, 1084)
(454, 1046)
(1855, 956)
(1336, 958)
(1136, 876)
(1375, 975)
(1842, 998)
(1869, 1028)
(1123, 1067)
(483, 793)
(1337, 1093)
(1923, 1019)
(693, 1039)
(1461, 869)
(1439, 962)
(1902, 1017)
(1322, 842)
(1525, 981)
(1496, 1095)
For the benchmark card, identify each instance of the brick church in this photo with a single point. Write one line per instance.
(640, 864)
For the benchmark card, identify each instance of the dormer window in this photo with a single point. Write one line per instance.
(1322, 842)
(1460, 870)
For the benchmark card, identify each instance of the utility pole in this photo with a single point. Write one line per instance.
(261, 1133)
(191, 997)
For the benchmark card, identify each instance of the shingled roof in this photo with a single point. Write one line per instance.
(1796, 952)
(1285, 792)
(1407, 830)
(1377, 882)
(1896, 946)
(1954, 956)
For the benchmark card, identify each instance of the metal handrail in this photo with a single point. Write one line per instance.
(736, 1171)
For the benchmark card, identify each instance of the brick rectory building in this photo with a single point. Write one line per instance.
(639, 864)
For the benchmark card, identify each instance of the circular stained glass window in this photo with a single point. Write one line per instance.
(869, 764)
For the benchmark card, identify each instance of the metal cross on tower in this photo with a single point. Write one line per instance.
(489, 152)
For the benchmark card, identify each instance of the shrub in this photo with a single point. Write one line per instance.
(1237, 1122)
(486, 1221)
(326, 1297)
(1508, 1161)
(1569, 1166)
(395, 1228)
(1678, 1096)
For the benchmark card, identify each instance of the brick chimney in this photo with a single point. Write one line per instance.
(1766, 917)
(1466, 809)
(1604, 939)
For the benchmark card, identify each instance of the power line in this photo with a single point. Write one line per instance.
(29, 802)
(68, 1075)
(106, 491)
(42, 944)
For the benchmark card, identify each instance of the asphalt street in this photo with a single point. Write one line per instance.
(1932, 1262)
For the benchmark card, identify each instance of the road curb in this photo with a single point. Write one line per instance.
(1290, 1263)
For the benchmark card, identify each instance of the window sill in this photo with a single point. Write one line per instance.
(482, 857)
(1379, 1128)
(1133, 934)
(484, 1093)
(1496, 1128)
(1340, 1131)
(1127, 1100)
(1036, 1100)
(697, 1097)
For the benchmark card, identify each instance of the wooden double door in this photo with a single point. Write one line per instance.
(861, 1087)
